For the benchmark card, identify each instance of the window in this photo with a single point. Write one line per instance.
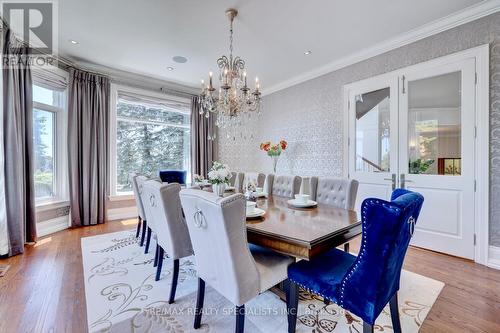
(48, 144)
(151, 134)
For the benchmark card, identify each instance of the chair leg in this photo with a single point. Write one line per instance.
(346, 247)
(240, 319)
(292, 304)
(144, 227)
(156, 255)
(393, 304)
(175, 277)
(139, 222)
(199, 303)
(160, 263)
(367, 328)
(148, 240)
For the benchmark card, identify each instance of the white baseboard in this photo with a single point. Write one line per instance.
(122, 213)
(494, 257)
(53, 225)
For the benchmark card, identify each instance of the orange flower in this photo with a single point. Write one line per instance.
(265, 146)
(283, 144)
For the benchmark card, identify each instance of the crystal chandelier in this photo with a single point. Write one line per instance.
(234, 105)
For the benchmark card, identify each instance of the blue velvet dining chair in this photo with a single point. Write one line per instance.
(364, 284)
(173, 176)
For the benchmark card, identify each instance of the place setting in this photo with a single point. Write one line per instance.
(253, 212)
(302, 201)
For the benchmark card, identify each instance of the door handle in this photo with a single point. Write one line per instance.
(403, 180)
(393, 180)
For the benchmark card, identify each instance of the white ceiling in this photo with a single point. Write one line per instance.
(143, 36)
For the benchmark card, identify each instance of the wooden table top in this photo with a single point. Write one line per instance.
(301, 233)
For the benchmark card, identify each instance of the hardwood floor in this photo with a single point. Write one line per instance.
(43, 290)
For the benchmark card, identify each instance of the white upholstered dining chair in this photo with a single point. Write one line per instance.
(149, 222)
(257, 178)
(236, 180)
(172, 236)
(337, 192)
(224, 259)
(141, 215)
(283, 185)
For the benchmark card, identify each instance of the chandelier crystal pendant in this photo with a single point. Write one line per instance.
(234, 104)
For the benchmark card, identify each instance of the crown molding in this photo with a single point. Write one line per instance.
(137, 80)
(464, 16)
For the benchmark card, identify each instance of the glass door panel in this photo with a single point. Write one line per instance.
(372, 120)
(434, 125)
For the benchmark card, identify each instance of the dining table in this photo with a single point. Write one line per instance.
(303, 233)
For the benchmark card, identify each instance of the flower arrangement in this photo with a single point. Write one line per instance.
(198, 179)
(219, 174)
(274, 150)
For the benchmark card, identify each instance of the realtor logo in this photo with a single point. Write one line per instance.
(33, 23)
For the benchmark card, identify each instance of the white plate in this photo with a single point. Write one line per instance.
(230, 188)
(300, 204)
(256, 213)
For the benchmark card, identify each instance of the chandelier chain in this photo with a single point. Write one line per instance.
(231, 40)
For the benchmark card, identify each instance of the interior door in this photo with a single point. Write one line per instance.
(373, 137)
(436, 153)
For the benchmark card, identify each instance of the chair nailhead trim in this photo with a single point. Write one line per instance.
(310, 290)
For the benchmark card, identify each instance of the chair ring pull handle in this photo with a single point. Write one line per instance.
(199, 219)
(411, 225)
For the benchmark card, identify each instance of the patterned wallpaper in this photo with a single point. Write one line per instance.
(310, 115)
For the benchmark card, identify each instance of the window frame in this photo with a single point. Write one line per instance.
(113, 195)
(60, 140)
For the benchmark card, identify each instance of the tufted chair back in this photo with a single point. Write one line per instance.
(164, 206)
(284, 186)
(255, 177)
(137, 196)
(217, 227)
(337, 192)
(374, 276)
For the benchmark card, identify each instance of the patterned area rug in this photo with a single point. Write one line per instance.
(122, 296)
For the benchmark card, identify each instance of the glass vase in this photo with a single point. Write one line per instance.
(275, 162)
(219, 189)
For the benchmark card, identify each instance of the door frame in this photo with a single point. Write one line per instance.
(481, 144)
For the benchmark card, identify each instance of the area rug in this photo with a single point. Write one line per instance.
(122, 296)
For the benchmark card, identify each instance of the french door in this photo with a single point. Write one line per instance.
(415, 130)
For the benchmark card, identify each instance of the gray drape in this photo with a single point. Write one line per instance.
(203, 150)
(88, 146)
(18, 146)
